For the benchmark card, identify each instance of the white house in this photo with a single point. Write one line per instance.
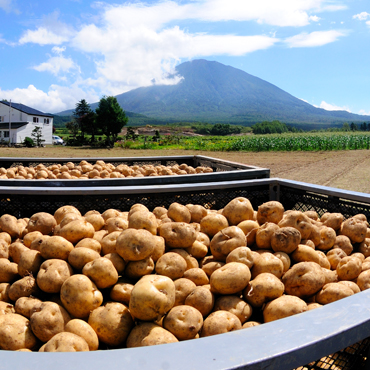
(23, 120)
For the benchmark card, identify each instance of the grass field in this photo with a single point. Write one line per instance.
(346, 169)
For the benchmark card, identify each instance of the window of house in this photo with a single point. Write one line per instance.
(6, 133)
(35, 119)
(46, 120)
(2, 118)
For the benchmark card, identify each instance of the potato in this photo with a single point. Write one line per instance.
(179, 213)
(16, 333)
(183, 287)
(272, 211)
(52, 274)
(283, 257)
(364, 247)
(250, 324)
(24, 305)
(334, 256)
(29, 262)
(226, 241)
(113, 213)
(197, 212)
(30, 237)
(4, 292)
(286, 239)
(43, 222)
(62, 211)
(349, 268)
(8, 224)
(177, 234)
(213, 223)
(196, 275)
(137, 269)
(363, 280)
(238, 210)
(263, 288)
(323, 260)
(80, 295)
(5, 237)
(184, 322)
(116, 224)
(89, 243)
(102, 272)
(143, 220)
(267, 262)
(6, 308)
(332, 292)
(283, 306)
(76, 230)
(304, 253)
(264, 235)
(24, 287)
(327, 238)
(36, 243)
(202, 299)
(65, 342)
(231, 303)
(152, 297)
(15, 251)
(48, 319)
(304, 279)
(84, 330)
(96, 220)
(149, 334)
(219, 322)
(355, 288)
(121, 291)
(56, 247)
(333, 220)
(343, 242)
(8, 271)
(159, 212)
(112, 323)
(118, 262)
(355, 229)
(79, 257)
(249, 228)
(299, 221)
(135, 245)
(242, 255)
(230, 278)
(109, 242)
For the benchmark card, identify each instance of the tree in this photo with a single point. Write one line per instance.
(110, 118)
(84, 117)
(37, 135)
(353, 127)
(346, 127)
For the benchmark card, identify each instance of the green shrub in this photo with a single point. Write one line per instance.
(28, 142)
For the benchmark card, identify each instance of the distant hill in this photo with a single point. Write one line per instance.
(213, 92)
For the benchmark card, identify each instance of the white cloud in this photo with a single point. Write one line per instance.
(6, 5)
(58, 98)
(368, 23)
(57, 65)
(364, 112)
(328, 106)
(313, 39)
(42, 36)
(361, 16)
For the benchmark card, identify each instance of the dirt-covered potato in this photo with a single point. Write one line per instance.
(65, 342)
(267, 262)
(143, 220)
(355, 288)
(299, 221)
(327, 238)
(355, 229)
(202, 299)
(84, 330)
(29, 262)
(16, 333)
(238, 210)
(52, 274)
(121, 291)
(284, 306)
(333, 220)
(285, 239)
(272, 211)
(43, 222)
(219, 322)
(6, 308)
(116, 224)
(30, 237)
(152, 297)
(102, 272)
(332, 292)
(197, 212)
(213, 223)
(5, 237)
(183, 287)
(4, 292)
(24, 287)
(283, 257)
(24, 305)
(304, 253)
(177, 234)
(263, 288)
(62, 211)
(8, 271)
(348, 268)
(179, 213)
(334, 256)
(304, 279)
(149, 334)
(78, 257)
(249, 228)
(242, 255)
(76, 230)
(343, 242)
(184, 322)
(8, 224)
(48, 319)
(109, 242)
(226, 240)
(112, 323)
(135, 245)
(56, 247)
(80, 296)
(363, 280)
(264, 235)
(96, 220)
(196, 275)
(364, 247)
(136, 269)
(241, 309)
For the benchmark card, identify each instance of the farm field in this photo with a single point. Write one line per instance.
(346, 169)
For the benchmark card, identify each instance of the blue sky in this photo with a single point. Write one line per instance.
(55, 53)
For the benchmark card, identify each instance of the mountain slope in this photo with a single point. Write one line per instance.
(212, 92)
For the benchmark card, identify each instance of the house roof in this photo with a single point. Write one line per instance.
(23, 108)
(5, 125)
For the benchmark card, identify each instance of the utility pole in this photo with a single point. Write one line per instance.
(10, 120)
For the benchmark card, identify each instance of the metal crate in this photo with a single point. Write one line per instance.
(333, 337)
(222, 171)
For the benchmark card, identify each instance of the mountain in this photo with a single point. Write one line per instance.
(213, 92)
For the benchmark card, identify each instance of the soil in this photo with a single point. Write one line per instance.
(349, 170)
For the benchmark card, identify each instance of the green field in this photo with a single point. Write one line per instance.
(256, 143)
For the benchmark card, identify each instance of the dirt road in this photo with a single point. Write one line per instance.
(348, 170)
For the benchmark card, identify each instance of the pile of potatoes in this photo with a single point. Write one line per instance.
(99, 170)
(72, 282)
